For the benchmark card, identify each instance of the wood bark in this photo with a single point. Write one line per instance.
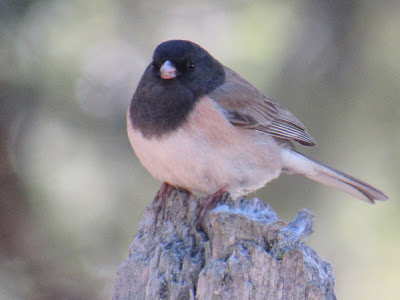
(241, 250)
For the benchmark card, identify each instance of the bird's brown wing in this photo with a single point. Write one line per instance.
(248, 108)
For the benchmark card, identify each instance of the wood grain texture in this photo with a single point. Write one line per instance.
(240, 251)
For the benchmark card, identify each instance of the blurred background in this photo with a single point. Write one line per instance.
(71, 190)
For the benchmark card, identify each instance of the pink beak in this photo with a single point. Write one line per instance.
(167, 70)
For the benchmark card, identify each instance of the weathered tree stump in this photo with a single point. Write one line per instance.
(240, 251)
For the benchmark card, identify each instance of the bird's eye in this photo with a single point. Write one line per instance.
(190, 66)
(154, 65)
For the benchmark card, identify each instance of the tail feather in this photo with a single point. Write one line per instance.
(301, 164)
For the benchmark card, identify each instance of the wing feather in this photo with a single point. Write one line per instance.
(248, 108)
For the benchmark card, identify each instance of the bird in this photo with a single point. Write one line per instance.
(197, 125)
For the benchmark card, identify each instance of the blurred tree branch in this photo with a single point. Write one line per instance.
(23, 245)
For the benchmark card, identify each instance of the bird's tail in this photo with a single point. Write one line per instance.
(295, 162)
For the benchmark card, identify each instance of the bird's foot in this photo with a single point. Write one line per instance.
(162, 195)
(209, 203)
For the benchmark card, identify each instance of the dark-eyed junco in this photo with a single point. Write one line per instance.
(198, 125)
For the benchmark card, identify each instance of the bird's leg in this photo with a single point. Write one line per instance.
(209, 202)
(163, 193)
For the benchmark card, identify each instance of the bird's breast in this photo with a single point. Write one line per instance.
(208, 153)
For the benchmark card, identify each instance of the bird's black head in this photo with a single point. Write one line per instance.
(194, 67)
(180, 73)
